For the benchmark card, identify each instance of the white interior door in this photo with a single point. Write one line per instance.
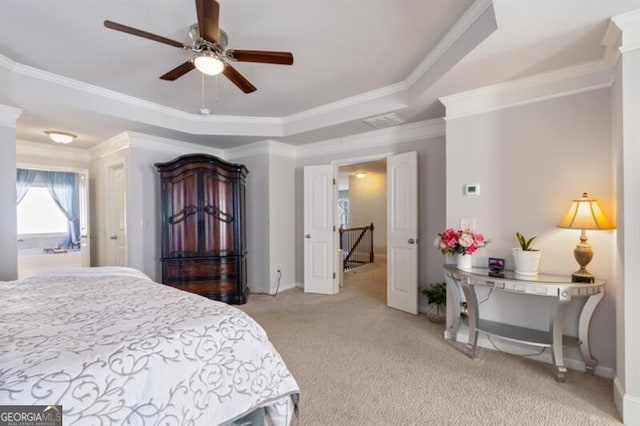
(402, 232)
(85, 236)
(117, 219)
(319, 255)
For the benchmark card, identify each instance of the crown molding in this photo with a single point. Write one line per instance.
(169, 146)
(611, 42)
(629, 25)
(388, 98)
(622, 36)
(266, 147)
(112, 95)
(527, 90)
(110, 146)
(47, 150)
(9, 115)
(470, 16)
(377, 138)
(291, 120)
(378, 101)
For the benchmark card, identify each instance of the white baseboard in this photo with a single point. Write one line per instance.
(299, 285)
(289, 286)
(515, 349)
(628, 406)
(283, 287)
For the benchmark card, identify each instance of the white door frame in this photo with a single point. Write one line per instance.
(336, 239)
(364, 159)
(109, 230)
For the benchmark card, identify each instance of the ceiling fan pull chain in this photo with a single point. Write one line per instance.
(203, 109)
(215, 91)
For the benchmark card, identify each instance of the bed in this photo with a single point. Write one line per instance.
(113, 347)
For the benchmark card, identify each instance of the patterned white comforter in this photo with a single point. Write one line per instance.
(113, 347)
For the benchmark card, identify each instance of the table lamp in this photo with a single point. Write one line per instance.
(584, 214)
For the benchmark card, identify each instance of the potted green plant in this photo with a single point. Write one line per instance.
(437, 295)
(525, 257)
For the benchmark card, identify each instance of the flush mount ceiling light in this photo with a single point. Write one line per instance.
(208, 63)
(361, 175)
(60, 137)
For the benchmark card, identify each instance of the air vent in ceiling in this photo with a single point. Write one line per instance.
(387, 120)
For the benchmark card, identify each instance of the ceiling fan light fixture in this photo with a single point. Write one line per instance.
(60, 137)
(208, 64)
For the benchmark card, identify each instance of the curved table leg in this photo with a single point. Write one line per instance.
(583, 329)
(453, 308)
(557, 324)
(474, 317)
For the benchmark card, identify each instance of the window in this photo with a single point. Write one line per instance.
(39, 214)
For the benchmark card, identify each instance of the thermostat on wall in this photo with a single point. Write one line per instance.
(472, 189)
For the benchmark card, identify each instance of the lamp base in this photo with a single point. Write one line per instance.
(582, 276)
(583, 254)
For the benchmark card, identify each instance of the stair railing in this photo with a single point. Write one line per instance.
(356, 245)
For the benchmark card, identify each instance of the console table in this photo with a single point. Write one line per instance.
(463, 282)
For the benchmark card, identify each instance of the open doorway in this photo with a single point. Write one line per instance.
(362, 220)
(321, 253)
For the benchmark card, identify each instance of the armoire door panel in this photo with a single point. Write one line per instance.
(219, 214)
(182, 215)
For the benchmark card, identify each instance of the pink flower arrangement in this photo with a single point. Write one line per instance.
(452, 242)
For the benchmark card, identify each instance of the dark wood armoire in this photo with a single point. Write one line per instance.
(203, 227)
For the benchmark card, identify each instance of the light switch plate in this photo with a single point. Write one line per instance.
(467, 223)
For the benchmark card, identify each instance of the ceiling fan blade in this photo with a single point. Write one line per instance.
(178, 71)
(262, 56)
(136, 32)
(208, 16)
(237, 79)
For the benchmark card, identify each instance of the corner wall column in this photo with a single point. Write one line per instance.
(625, 110)
(8, 219)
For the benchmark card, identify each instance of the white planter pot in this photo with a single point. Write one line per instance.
(527, 262)
(464, 262)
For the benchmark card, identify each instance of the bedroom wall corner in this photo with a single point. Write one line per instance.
(270, 201)
(625, 127)
(282, 220)
(257, 218)
(8, 231)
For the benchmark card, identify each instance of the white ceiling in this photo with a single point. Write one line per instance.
(342, 49)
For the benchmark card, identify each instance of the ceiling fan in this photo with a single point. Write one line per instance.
(209, 44)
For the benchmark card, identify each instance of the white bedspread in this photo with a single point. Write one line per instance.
(113, 347)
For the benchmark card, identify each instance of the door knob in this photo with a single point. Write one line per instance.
(113, 237)
(307, 236)
(411, 241)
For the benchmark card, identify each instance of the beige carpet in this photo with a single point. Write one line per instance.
(360, 363)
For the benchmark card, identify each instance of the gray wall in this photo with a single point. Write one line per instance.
(530, 162)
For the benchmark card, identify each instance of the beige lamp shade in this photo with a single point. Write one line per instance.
(585, 213)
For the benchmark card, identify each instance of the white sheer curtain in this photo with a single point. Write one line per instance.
(24, 179)
(62, 187)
